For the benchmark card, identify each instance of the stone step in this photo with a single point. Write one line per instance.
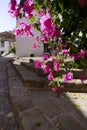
(14, 81)
(75, 85)
(28, 115)
(77, 73)
(32, 81)
(29, 78)
(42, 110)
(31, 67)
(33, 119)
(15, 89)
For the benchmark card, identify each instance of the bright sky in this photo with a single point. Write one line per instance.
(7, 23)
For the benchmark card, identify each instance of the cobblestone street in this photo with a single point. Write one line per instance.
(7, 119)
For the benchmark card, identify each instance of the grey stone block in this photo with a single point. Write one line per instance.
(34, 120)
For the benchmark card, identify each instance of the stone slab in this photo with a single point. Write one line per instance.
(34, 120)
(29, 78)
(23, 102)
(67, 122)
(50, 105)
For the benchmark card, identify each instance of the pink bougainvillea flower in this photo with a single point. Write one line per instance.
(37, 38)
(14, 9)
(47, 27)
(82, 78)
(44, 38)
(45, 19)
(34, 46)
(13, 2)
(56, 65)
(68, 76)
(82, 53)
(62, 87)
(50, 76)
(28, 8)
(38, 64)
(41, 11)
(65, 51)
(82, 3)
(57, 33)
(54, 89)
(75, 56)
(46, 68)
(23, 29)
(46, 56)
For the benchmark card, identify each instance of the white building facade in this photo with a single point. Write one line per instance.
(24, 44)
(4, 46)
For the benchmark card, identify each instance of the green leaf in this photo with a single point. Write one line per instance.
(36, 26)
(32, 19)
(21, 3)
(51, 83)
(57, 78)
(36, 6)
(61, 6)
(58, 83)
(16, 25)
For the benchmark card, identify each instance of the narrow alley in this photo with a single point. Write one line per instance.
(7, 119)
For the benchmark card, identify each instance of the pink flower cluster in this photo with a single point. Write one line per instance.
(46, 56)
(14, 9)
(82, 78)
(34, 46)
(46, 68)
(38, 64)
(56, 66)
(55, 88)
(80, 54)
(68, 76)
(65, 51)
(50, 76)
(37, 42)
(41, 11)
(48, 28)
(28, 8)
(23, 29)
(82, 3)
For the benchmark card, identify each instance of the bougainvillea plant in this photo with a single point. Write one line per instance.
(63, 27)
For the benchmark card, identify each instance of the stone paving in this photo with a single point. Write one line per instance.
(38, 109)
(7, 119)
(42, 110)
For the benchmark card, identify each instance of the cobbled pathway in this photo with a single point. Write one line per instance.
(7, 119)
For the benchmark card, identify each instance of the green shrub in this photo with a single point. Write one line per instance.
(13, 49)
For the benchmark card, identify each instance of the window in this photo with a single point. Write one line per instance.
(2, 44)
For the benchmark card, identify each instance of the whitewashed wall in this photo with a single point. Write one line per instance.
(5, 48)
(24, 44)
